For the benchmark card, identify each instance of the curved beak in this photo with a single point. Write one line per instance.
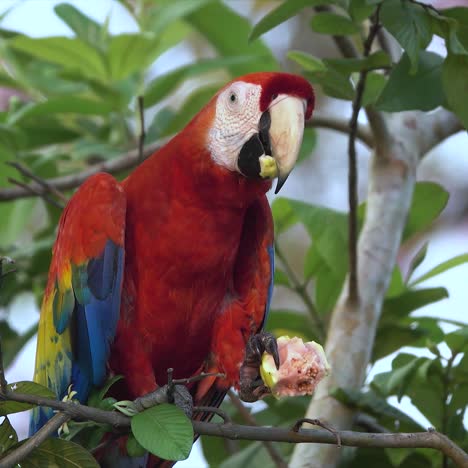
(286, 132)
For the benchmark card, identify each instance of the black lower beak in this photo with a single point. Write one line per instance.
(258, 145)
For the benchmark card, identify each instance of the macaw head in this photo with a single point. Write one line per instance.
(258, 124)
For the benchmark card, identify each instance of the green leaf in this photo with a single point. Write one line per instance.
(134, 449)
(410, 300)
(371, 403)
(83, 26)
(309, 141)
(30, 388)
(396, 286)
(410, 24)
(375, 83)
(280, 14)
(189, 108)
(281, 278)
(72, 54)
(166, 12)
(307, 62)
(331, 23)
(455, 85)
(429, 199)
(379, 59)
(163, 85)
(61, 453)
(228, 32)
(252, 455)
(416, 261)
(291, 323)
(396, 382)
(359, 10)
(8, 436)
(444, 266)
(62, 105)
(460, 28)
(457, 341)
(421, 90)
(283, 215)
(165, 431)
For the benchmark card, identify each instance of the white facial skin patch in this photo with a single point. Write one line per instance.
(237, 117)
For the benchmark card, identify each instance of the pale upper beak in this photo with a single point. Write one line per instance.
(286, 132)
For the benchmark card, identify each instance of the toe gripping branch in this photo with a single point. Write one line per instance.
(251, 387)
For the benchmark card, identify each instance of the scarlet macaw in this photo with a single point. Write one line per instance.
(173, 266)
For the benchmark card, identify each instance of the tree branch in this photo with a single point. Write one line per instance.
(120, 422)
(119, 164)
(342, 126)
(274, 453)
(46, 431)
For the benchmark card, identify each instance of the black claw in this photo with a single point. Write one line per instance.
(260, 343)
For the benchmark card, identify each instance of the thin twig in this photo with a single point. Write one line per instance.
(121, 163)
(342, 126)
(211, 409)
(353, 286)
(117, 420)
(301, 291)
(32, 190)
(317, 422)
(369, 423)
(274, 453)
(26, 172)
(141, 138)
(46, 431)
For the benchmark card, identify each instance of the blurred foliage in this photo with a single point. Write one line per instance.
(74, 104)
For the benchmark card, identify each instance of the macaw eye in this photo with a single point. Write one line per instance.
(233, 97)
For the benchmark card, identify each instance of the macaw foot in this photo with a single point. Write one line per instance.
(170, 393)
(251, 387)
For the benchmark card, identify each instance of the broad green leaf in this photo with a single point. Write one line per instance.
(8, 436)
(421, 90)
(460, 29)
(429, 199)
(444, 266)
(129, 53)
(410, 300)
(83, 26)
(252, 455)
(396, 286)
(73, 54)
(16, 216)
(165, 431)
(397, 381)
(331, 23)
(409, 331)
(228, 33)
(281, 278)
(379, 59)
(166, 12)
(283, 215)
(328, 286)
(62, 105)
(410, 24)
(455, 85)
(309, 140)
(190, 107)
(416, 261)
(61, 453)
(328, 230)
(30, 388)
(457, 340)
(307, 62)
(291, 323)
(46, 131)
(280, 14)
(333, 83)
(359, 10)
(371, 403)
(134, 449)
(163, 85)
